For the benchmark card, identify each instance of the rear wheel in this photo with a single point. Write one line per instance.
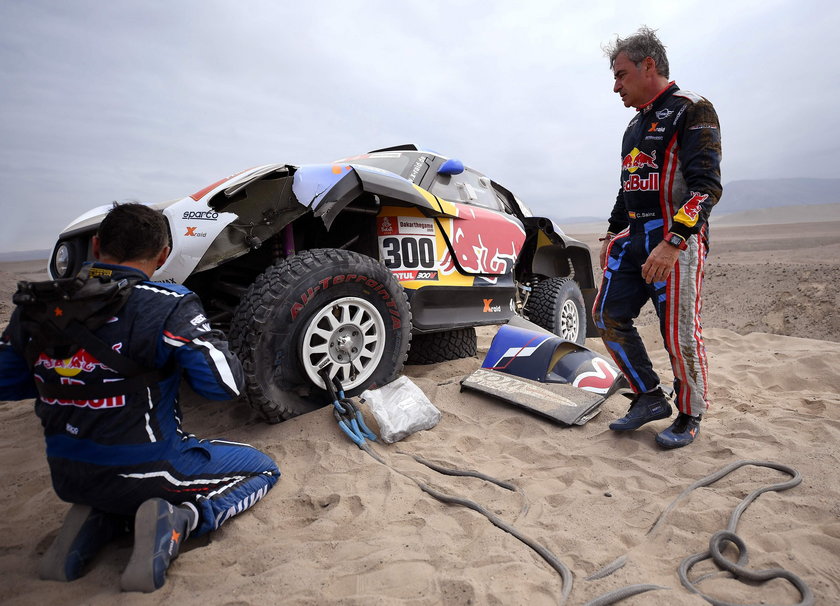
(443, 346)
(324, 308)
(556, 304)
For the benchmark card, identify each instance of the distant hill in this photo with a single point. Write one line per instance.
(770, 193)
(25, 255)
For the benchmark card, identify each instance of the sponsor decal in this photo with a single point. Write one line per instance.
(421, 161)
(79, 362)
(664, 113)
(201, 323)
(636, 183)
(490, 308)
(99, 272)
(690, 211)
(200, 215)
(599, 380)
(638, 159)
(486, 243)
(386, 226)
(378, 289)
(702, 126)
(633, 122)
(654, 138)
(70, 371)
(415, 226)
(194, 234)
(405, 226)
(652, 128)
(405, 276)
(112, 402)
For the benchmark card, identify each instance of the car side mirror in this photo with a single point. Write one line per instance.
(451, 167)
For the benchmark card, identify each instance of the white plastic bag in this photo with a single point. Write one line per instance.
(400, 408)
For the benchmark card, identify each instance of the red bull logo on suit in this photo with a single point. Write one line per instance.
(638, 159)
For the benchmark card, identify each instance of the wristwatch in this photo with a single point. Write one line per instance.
(676, 240)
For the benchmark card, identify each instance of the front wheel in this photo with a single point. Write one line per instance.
(556, 304)
(324, 308)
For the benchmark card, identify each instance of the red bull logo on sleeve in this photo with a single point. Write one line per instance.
(690, 211)
(638, 159)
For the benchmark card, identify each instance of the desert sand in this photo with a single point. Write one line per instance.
(342, 528)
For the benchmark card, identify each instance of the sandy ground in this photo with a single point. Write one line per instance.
(341, 528)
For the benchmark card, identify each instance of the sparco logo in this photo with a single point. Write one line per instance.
(201, 215)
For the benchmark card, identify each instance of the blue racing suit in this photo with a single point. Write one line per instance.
(670, 180)
(115, 451)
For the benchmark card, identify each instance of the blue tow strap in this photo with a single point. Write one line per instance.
(350, 419)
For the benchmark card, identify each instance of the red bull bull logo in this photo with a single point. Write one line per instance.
(690, 211)
(638, 159)
(692, 207)
(485, 243)
(79, 362)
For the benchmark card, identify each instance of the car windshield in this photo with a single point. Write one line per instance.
(396, 162)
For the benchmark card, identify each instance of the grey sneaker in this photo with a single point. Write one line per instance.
(159, 530)
(84, 533)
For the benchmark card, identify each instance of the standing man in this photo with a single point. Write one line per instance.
(104, 358)
(656, 244)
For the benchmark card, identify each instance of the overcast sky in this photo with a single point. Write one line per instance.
(153, 100)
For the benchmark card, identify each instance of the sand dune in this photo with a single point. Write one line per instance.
(342, 528)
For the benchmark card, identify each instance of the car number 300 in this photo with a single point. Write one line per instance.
(407, 252)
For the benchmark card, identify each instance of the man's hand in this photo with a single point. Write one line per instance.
(660, 263)
(603, 255)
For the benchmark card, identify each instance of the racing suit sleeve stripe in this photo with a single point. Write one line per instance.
(221, 364)
(670, 163)
(209, 366)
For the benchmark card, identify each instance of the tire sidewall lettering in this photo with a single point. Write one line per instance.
(302, 299)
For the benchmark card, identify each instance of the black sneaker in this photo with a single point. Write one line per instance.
(681, 432)
(84, 533)
(644, 408)
(159, 530)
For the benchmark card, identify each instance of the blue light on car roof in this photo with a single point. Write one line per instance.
(451, 167)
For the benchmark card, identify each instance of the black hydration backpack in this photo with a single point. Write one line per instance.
(59, 318)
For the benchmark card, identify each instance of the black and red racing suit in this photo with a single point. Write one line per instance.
(670, 180)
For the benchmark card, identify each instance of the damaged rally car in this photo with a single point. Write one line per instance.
(357, 266)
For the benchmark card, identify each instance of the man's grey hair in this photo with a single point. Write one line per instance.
(643, 43)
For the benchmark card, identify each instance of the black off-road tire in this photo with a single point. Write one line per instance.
(556, 304)
(321, 305)
(444, 346)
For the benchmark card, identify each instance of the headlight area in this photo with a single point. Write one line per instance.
(68, 256)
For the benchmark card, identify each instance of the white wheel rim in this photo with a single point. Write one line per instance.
(348, 338)
(569, 321)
